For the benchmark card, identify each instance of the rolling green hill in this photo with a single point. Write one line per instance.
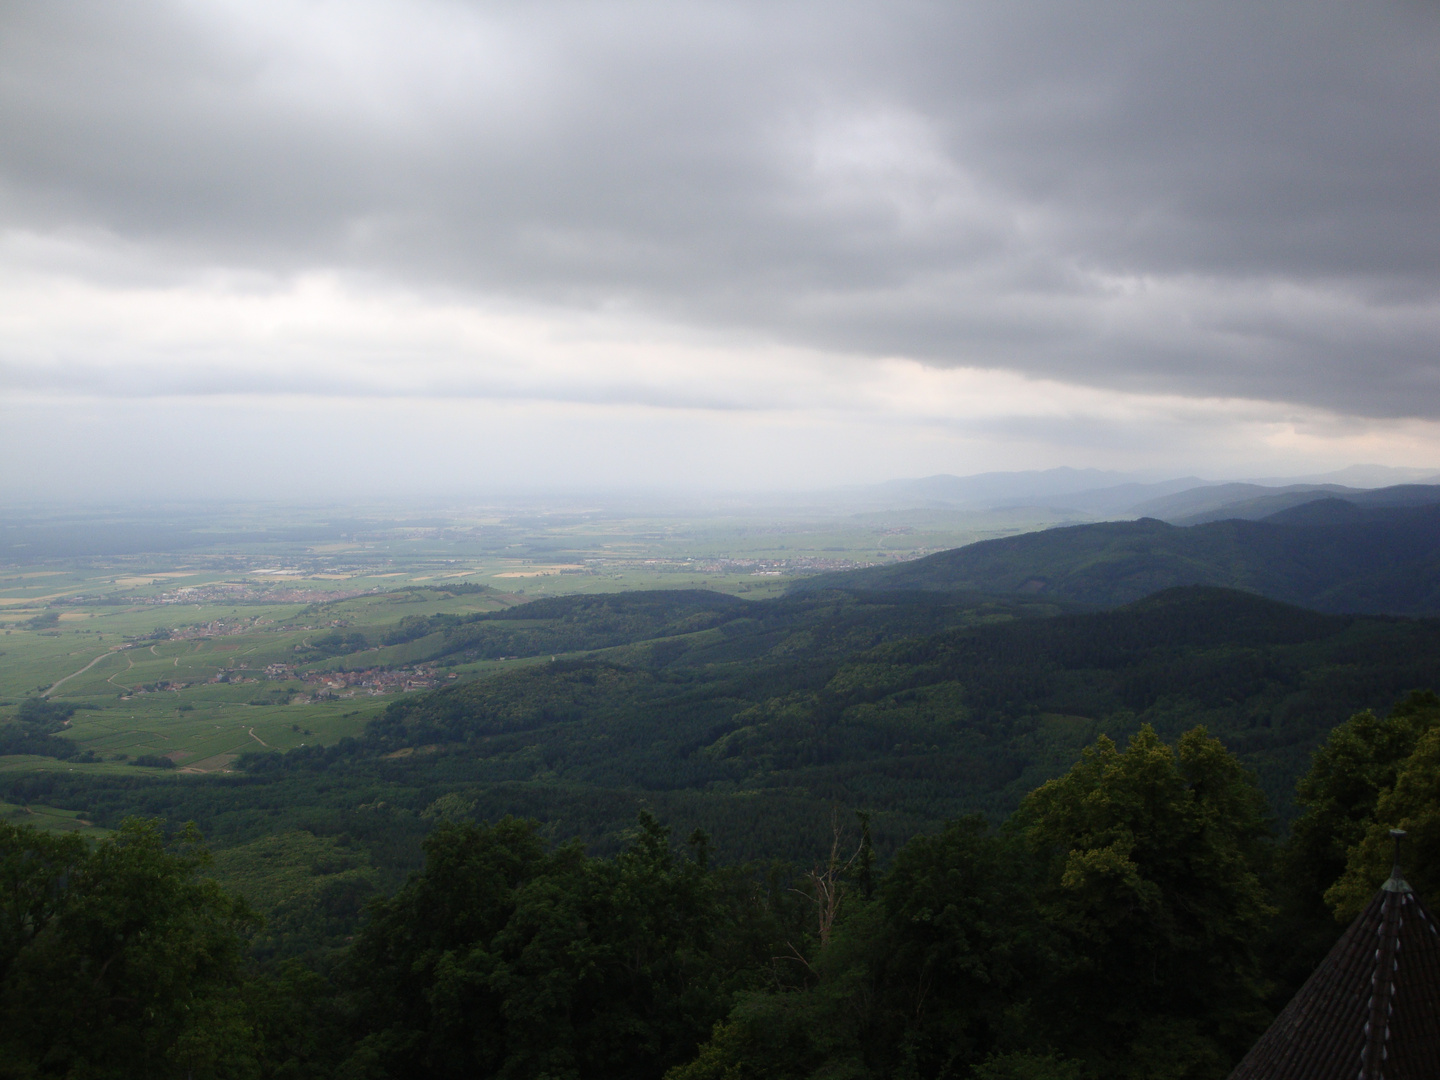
(1327, 555)
(925, 725)
(918, 706)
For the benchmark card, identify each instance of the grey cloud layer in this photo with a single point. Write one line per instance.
(1234, 200)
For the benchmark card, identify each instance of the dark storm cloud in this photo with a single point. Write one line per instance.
(1221, 200)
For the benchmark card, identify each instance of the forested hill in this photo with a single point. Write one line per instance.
(1327, 555)
(968, 716)
(916, 706)
(754, 718)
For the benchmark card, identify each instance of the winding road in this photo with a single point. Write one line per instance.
(87, 667)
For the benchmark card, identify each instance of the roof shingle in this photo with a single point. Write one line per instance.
(1371, 1010)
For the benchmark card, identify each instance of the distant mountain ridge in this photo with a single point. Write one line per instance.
(1266, 503)
(1215, 502)
(1093, 493)
(1330, 554)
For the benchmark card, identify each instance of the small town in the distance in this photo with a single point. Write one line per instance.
(1052, 775)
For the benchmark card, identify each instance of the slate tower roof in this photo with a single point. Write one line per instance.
(1371, 1010)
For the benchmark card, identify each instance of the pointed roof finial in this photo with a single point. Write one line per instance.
(1368, 1012)
(1397, 882)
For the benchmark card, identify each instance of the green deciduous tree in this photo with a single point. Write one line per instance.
(506, 959)
(118, 961)
(1340, 794)
(915, 983)
(1411, 801)
(1150, 883)
(964, 943)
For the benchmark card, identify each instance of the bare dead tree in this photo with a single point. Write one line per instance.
(827, 883)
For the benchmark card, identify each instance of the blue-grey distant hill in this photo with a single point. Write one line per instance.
(1216, 502)
(1360, 553)
(1271, 502)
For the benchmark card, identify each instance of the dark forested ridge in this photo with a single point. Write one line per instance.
(828, 697)
(753, 719)
(565, 624)
(1328, 554)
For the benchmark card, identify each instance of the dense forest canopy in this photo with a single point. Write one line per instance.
(1118, 924)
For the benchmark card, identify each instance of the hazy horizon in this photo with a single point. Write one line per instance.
(1056, 488)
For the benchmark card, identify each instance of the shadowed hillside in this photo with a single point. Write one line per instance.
(1330, 555)
(919, 706)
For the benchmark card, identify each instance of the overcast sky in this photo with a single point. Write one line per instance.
(363, 246)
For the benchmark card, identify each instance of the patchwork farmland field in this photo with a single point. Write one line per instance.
(195, 685)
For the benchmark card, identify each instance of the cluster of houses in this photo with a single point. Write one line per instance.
(376, 680)
(321, 685)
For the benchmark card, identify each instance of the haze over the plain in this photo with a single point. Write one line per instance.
(292, 248)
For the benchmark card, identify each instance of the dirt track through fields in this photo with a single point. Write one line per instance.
(128, 665)
(82, 671)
